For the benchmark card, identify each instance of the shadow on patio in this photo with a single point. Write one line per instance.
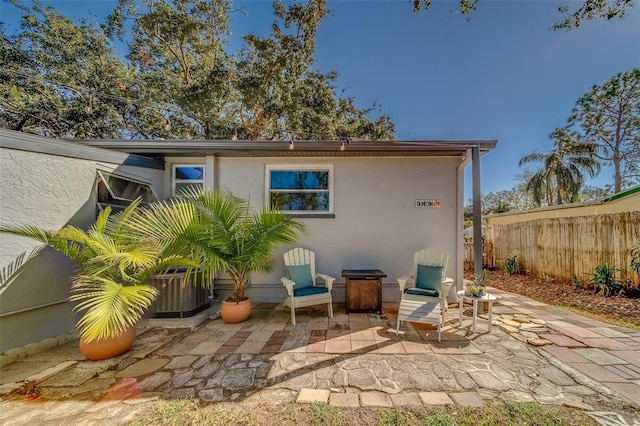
(268, 359)
(237, 359)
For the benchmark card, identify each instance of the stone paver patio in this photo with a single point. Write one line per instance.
(535, 353)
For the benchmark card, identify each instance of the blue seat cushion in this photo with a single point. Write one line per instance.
(301, 275)
(429, 277)
(305, 291)
(422, 291)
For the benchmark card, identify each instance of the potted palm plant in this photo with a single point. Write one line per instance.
(223, 234)
(111, 283)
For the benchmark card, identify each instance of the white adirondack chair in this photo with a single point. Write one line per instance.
(299, 263)
(419, 303)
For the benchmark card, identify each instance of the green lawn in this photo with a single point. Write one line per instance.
(188, 412)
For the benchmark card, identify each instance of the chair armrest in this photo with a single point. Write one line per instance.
(446, 286)
(403, 281)
(288, 284)
(327, 280)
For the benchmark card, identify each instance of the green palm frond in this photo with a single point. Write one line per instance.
(100, 224)
(563, 168)
(203, 231)
(240, 240)
(70, 247)
(179, 226)
(116, 224)
(109, 307)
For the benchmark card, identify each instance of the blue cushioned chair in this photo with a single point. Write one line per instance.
(301, 282)
(423, 296)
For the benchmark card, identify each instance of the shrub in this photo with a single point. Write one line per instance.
(604, 280)
(635, 259)
(576, 282)
(511, 266)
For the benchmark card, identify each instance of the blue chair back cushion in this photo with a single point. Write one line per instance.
(429, 277)
(297, 292)
(301, 275)
(422, 291)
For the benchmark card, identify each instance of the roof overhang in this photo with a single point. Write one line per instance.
(302, 148)
(22, 141)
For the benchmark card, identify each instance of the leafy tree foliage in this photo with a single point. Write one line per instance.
(592, 193)
(185, 77)
(281, 97)
(589, 10)
(562, 173)
(519, 199)
(592, 9)
(61, 79)
(179, 80)
(609, 116)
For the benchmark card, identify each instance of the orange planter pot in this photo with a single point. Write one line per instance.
(108, 348)
(234, 312)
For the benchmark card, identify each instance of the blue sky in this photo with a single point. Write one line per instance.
(504, 75)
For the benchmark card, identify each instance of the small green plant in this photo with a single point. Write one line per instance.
(575, 282)
(325, 414)
(477, 287)
(511, 266)
(635, 259)
(397, 417)
(604, 280)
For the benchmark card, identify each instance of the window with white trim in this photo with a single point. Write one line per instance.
(119, 191)
(300, 189)
(187, 176)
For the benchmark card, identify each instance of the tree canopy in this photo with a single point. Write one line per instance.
(571, 18)
(609, 117)
(562, 173)
(61, 79)
(179, 79)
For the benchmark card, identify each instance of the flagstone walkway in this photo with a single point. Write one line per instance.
(535, 352)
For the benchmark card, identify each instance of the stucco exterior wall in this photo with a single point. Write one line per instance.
(47, 191)
(376, 223)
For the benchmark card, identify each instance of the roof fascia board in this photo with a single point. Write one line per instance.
(165, 147)
(28, 142)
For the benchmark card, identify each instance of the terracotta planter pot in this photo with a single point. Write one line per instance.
(108, 348)
(234, 312)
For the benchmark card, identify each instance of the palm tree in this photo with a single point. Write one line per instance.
(114, 266)
(203, 231)
(220, 232)
(562, 174)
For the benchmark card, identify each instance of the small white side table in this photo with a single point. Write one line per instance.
(490, 298)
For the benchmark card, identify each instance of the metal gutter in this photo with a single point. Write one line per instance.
(300, 148)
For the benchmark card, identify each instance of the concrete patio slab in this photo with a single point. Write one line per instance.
(435, 398)
(467, 399)
(346, 400)
(375, 399)
(313, 395)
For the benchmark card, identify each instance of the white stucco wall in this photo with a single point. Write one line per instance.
(47, 191)
(376, 223)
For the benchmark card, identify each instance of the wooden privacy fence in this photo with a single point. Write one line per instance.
(560, 247)
(487, 255)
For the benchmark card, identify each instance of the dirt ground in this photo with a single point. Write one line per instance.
(620, 309)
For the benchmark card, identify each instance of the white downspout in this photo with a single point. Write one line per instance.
(458, 283)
